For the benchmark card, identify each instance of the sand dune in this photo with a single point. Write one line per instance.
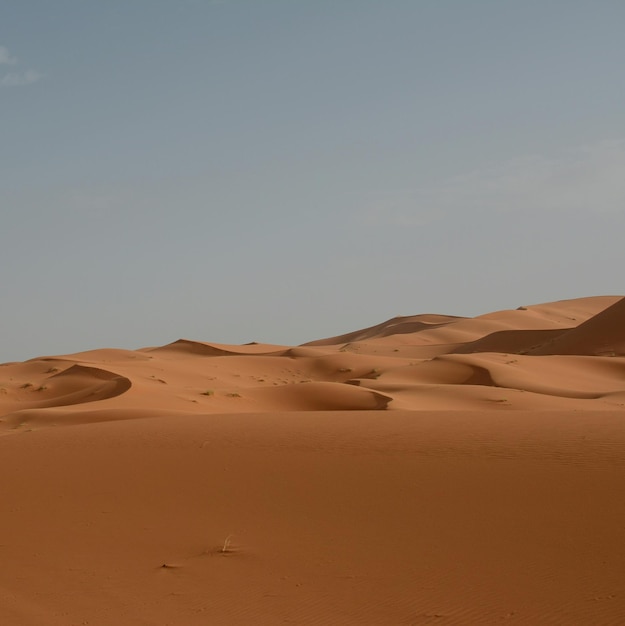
(184, 346)
(602, 334)
(394, 326)
(428, 469)
(409, 363)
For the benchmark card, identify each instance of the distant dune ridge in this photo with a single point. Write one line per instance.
(428, 469)
(417, 362)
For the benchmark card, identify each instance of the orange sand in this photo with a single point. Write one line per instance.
(427, 470)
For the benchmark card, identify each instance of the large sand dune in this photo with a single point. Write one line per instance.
(427, 470)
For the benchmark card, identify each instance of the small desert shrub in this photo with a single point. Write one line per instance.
(226, 547)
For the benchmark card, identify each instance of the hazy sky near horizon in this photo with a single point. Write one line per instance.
(286, 170)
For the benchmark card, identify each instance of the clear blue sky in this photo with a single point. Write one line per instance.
(284, 170)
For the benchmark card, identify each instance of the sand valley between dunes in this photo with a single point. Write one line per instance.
(428, 470)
